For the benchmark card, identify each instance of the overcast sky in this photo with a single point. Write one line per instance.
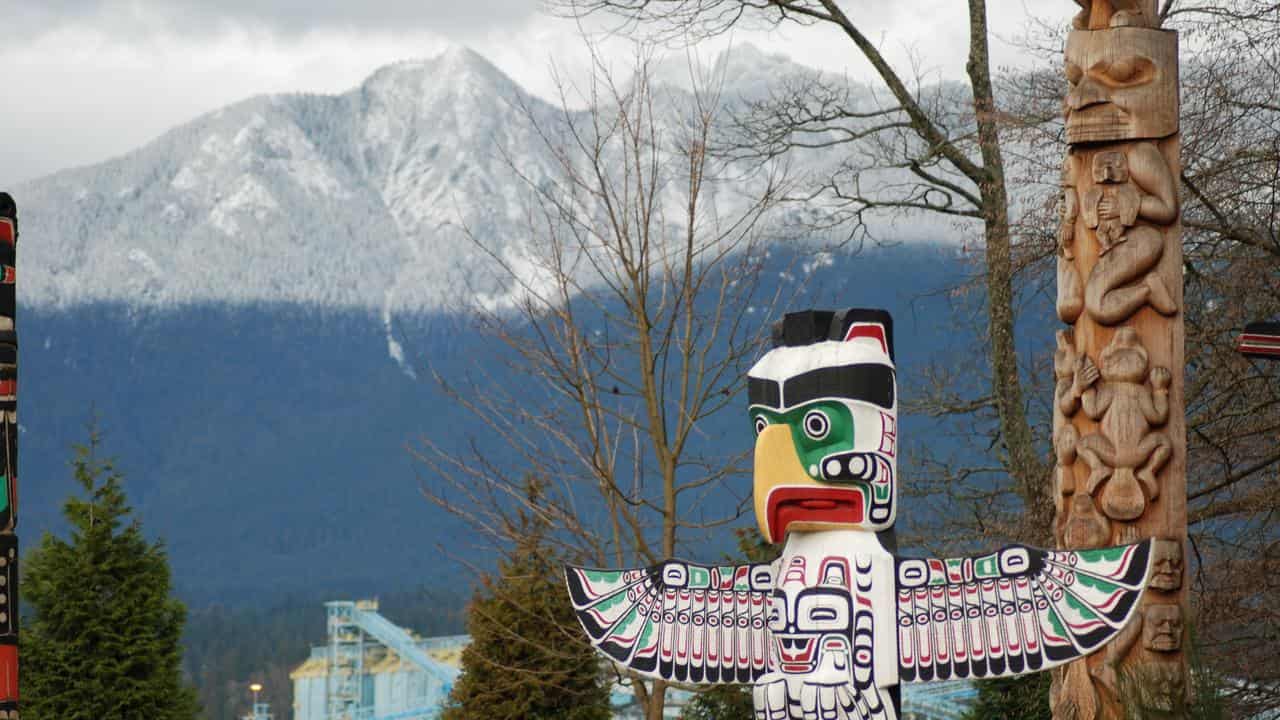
(85, 80)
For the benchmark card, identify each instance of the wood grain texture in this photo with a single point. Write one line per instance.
(1102, 14)
(1123, 85)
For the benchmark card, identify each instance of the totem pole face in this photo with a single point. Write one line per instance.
(1166, 565)
(1111, 92)
(823, 404)
(1162, 628)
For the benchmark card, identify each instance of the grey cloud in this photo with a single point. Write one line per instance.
(201, 17)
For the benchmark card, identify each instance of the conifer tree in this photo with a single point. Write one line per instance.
(528, 658)
(101, 640)
(1025, 697)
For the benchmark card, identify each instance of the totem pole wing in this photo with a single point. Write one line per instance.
(1015, 611)
(678, 621)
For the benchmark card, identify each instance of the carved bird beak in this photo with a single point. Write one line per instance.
(787, 498)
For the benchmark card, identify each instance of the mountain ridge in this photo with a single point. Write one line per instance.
(367, 198)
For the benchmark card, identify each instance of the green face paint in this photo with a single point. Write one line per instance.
(818, 429)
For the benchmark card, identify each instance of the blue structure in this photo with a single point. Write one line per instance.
(372, 669)
(938, 701)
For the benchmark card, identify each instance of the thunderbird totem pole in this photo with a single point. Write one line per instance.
(8, 464)
(832, 627)
(1119, 427)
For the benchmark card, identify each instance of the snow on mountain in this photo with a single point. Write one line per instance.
(349, 200)
(357, 200)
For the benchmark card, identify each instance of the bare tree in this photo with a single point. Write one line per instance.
(940, 145)
(629, 324)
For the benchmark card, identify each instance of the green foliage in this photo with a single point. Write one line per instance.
(101, 641)
(722, 702)
(1025, 697)
(528, 658)
(732, 702)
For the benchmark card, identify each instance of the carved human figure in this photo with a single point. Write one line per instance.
(1162, 628)
(1124, 13)
(1107, 673)
(1161, 692)
(1087, 528)
(1124, 85)
(1070, 289)
(1067, 393)
(1166, 565)
(1067, 366)
(1126, 450)
(1128, 185)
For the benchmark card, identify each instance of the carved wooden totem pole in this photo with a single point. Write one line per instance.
(8, 463)
(1119, 435)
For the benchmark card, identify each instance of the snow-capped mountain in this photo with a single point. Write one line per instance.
(355, 200)
(352, 200)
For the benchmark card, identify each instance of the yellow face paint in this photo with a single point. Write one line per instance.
(786, 498)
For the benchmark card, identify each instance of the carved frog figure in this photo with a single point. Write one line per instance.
(1126, 449)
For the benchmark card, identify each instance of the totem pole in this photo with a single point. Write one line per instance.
(830, 629)
(1260, 340)
(1119, 434)
(8, 464)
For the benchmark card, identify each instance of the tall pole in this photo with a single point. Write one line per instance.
(8, 461)
(1119, 412)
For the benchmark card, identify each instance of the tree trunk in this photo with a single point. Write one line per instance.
(1022, 461)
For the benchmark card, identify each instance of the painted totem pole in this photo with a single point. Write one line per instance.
(831, 628)
(1119, 433)
(8, 463)
(1260, 340)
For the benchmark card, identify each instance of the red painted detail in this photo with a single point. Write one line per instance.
(888, 434)
(8, 387)
(1260, 339)
(874, 331)
(787, 505)
(7, 233)
(10, 275)
(798, 659)
(724, 583)
(8, 673)
(795, 571)
(832, 560)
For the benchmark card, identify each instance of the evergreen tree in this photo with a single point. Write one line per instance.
(528, 658)
(1025, 697)
(101, 641)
